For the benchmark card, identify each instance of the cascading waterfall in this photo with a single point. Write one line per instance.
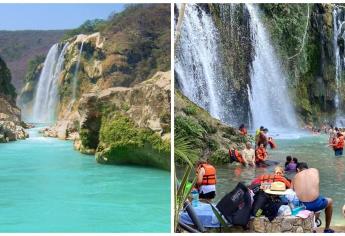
(75, 77)
(197, 60)
(268, 93)
(338, 32)
(46, 98)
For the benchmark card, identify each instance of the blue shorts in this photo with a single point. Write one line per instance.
(317, 205)
(338, 152)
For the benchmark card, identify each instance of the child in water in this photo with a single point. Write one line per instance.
(291, 163)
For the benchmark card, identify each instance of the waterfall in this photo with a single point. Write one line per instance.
(75, 77)
(197, 60)
(46, 98)
(338, 33)
(269, 100)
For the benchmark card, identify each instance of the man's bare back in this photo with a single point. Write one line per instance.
(306, 185)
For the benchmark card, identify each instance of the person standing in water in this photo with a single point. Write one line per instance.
(306, 184)
(263, 137)
(338, 144)
(248, 154)
(257, 134)
(260, 154)
(206, 180)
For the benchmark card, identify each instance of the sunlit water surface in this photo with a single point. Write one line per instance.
(46, 186)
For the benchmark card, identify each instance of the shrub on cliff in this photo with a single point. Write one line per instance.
(6, 87)
(121, 141)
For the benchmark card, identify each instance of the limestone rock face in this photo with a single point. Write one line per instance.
(146, 104)
(10, 124)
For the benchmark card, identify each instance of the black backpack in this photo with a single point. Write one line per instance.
(266, 205)
(236, 205)
(259, 204)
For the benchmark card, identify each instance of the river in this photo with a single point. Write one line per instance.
(307, 148)
(46, 186)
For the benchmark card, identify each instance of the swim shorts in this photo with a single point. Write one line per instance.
(209, 195)
(338, 152)
(317, 205)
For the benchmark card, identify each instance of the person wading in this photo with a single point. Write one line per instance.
(260, 154)
(338, 144)
(206, 180)
(306, 184)
(263, 137)
(248, 155)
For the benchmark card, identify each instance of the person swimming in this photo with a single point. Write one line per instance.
(292, 165)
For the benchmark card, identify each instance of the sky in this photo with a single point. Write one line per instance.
(52, 16)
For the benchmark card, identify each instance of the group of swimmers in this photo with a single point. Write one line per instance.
(305, 183)
(249, 156)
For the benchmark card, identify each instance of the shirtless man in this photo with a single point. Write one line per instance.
(306, 185)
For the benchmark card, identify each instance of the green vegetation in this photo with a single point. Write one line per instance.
(88, 138)
(206, 136)
(185, 154)
(6, 87)
(88, 27)
(137, 43)
(121, 141)
(310, 66)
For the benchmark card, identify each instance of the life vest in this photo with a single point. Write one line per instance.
(236, 155)
(340, 143)
(260, 154)
(272, 143)
(209, 177)
(257, 132)
(243, 131)
(270, 178)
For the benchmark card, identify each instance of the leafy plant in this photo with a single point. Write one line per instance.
(185, 154)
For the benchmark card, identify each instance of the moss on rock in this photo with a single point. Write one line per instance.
(208, 136)
(122, 142)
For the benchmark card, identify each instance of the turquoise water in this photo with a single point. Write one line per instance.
(310, 149)
(46, 186)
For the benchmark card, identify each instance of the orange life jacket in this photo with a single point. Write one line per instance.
(237, 155)
(272, 143)
(270, 178)
(340, 143)
(243, 131)
(260, 154)
(209, 177)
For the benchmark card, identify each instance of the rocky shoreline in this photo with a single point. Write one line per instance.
(144, 109)
(11, 127)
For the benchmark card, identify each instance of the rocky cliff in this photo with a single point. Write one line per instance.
(303, 36)
(309, 63)
(129, 48)
(122, 125)
(10, 118)
(209, 137)
(119, 107)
